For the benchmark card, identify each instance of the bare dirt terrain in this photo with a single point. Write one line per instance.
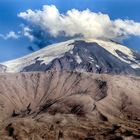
(69, 106)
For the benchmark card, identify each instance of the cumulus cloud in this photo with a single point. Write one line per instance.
(10, 35)
(84, 23)
(128, 27)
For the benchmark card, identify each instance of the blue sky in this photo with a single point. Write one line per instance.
(9, 21)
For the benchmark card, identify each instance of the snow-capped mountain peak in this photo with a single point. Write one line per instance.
(90, 55)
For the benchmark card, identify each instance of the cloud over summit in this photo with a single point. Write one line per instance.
(84, 23)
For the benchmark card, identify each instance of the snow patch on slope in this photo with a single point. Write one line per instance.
(78, 59)
(91, 59)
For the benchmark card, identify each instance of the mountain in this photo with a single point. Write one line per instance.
(90, 55)
(74, 90)
(69, 105)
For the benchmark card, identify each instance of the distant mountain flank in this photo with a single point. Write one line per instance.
(69, 105)
(90, 55)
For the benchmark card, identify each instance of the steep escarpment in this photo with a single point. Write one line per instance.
(49, 105)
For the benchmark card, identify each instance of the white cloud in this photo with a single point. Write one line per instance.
(27, 33)
(128, 27)
(86, 23)
(10, 35)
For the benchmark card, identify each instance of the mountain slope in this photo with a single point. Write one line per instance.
(79, 105)
(63, 89)
(80, 55)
